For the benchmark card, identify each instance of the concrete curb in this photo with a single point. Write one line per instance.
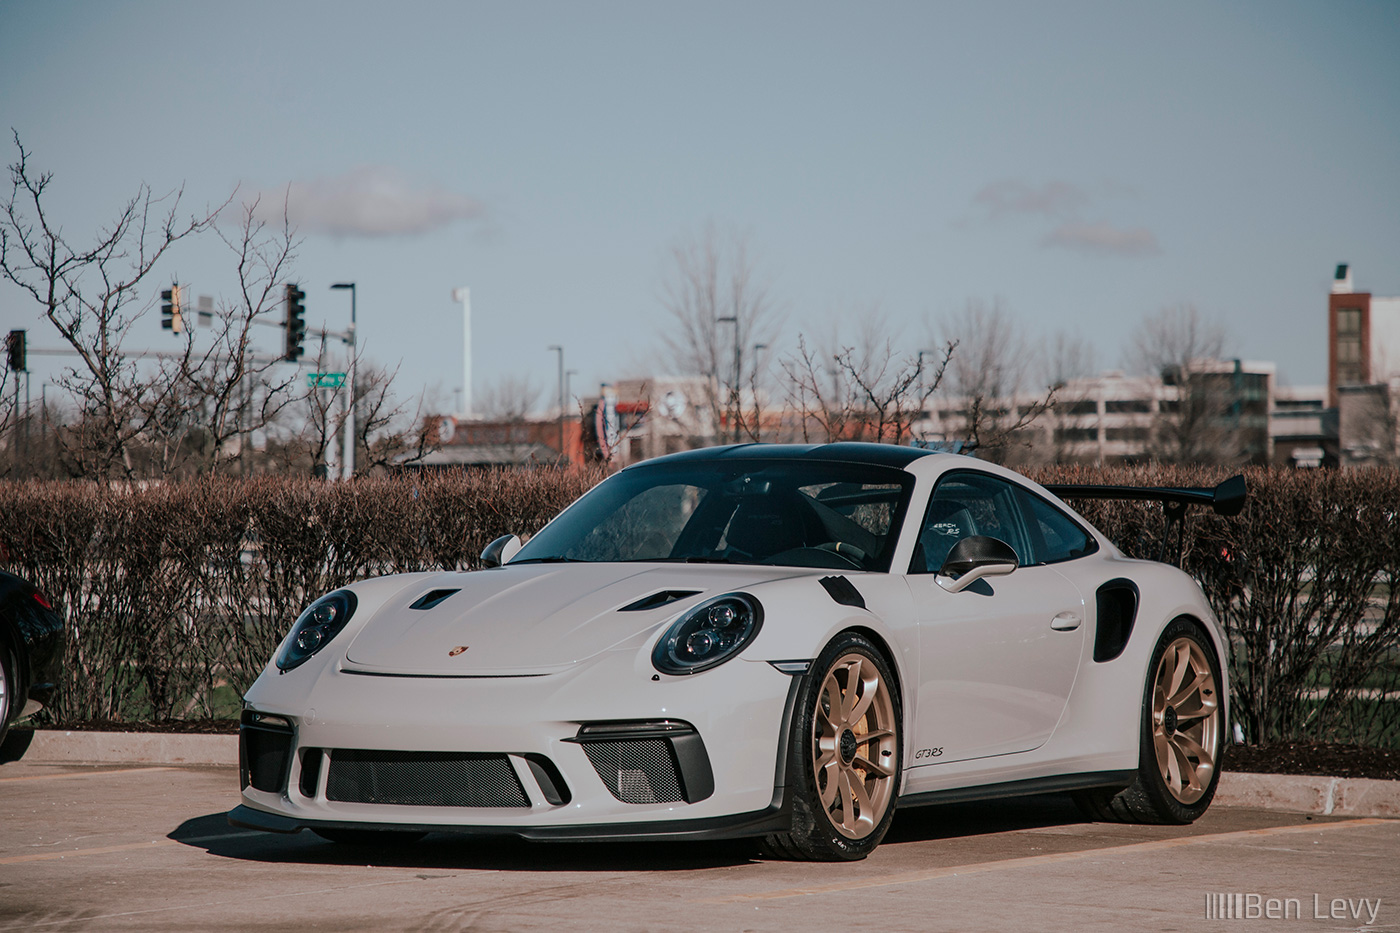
(1329, 796)
(52, 746)
(1294, 793)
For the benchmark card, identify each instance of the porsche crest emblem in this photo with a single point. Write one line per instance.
(456, 651)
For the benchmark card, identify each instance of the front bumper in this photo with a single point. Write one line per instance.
(532, 727)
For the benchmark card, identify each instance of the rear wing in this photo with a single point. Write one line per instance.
(1227, 499)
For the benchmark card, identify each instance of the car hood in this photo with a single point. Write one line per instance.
(534, 618)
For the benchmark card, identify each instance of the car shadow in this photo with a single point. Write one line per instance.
(504, 853)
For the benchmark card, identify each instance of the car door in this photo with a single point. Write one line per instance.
(998, 659)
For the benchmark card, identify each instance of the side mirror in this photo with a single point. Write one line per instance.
(973, 558)
(500, 551)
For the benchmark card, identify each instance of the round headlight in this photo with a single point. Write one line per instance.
(321, 622)
(708, 635)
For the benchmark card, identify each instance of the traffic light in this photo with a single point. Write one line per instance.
(14, 346)
(170, 317)
(296, 327)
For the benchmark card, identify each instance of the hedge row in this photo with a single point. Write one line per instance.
(177, 594)
(174, 590)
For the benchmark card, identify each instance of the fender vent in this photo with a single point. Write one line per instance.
(843, 591)
(1117, 610)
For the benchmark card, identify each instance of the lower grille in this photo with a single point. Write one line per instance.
(637, 770)
(423, 779)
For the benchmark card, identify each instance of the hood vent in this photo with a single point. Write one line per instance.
(431, 598)
(657, 599)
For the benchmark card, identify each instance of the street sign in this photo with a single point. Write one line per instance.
(325, 380)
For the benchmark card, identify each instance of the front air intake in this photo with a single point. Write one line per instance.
(648, 761)
(423, 779)
(264, 751)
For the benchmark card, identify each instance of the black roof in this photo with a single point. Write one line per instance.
(842, 452)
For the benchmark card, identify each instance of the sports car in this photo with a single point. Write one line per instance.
(776, 641)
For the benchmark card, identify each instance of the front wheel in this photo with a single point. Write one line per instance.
(1182, 736)
(844, 757)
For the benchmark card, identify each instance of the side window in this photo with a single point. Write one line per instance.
(1059, 537)
(965, 504)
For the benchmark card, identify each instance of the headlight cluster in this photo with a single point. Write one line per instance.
(708, 635)
(321, 622)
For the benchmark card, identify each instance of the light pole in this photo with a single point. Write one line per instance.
(347, 465)
(569, 375)
(734, 392)
(560, 350)
(463, 296)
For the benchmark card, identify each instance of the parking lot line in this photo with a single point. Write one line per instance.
(949, 871)
(80, 774)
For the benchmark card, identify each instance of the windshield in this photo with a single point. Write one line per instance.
(788, 512)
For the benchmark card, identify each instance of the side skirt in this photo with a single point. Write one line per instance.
(1055, 784)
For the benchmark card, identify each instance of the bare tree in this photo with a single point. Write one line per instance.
(388, 433)
(988, 376)
(1067, 365)
(713, 285)
(510, 399)
(860, 389)
(1177, 344)
(91, 296)
(1369, 424)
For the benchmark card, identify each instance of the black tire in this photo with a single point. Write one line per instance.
(1164, 792)
(861, 753)
(9, 683)
(369, 837)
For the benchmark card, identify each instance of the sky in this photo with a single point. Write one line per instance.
(1082, 164)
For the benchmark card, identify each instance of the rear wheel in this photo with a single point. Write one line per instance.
(1181, 739)
(844, 756)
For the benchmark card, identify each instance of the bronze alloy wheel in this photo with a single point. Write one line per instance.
(843, 755)
(853, 746)
(1185, 720)
(1180, 736)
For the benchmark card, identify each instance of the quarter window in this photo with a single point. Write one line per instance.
(1060, 537)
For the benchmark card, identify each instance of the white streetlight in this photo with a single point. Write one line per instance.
(463, 296)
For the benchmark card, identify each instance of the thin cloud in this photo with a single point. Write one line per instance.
(370, 201)
(1054, 199)
(1103, 238)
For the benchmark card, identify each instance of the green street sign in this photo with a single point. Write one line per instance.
(325, 380)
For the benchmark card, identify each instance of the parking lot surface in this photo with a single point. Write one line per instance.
(148, 848)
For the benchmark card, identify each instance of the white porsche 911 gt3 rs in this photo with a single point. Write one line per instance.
(758, 640)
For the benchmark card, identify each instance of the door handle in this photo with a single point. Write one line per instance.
(1065, 622)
